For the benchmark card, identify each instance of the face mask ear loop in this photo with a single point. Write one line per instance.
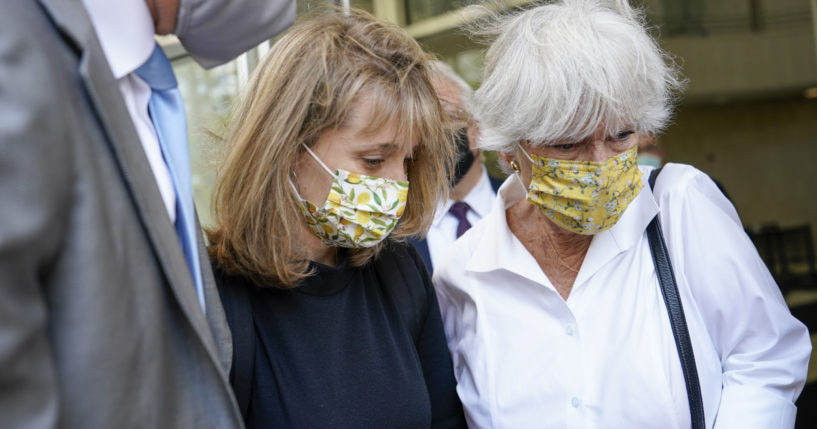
(318, 159)
(298, 194)
(525, 152)
(518, 173)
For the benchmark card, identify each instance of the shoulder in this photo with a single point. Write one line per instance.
(30, 48)
(683, 188)
(232, 289)
(675, 179)
(399, 260)
(30, 77)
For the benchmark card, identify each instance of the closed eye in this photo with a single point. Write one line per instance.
(373, 162)
(623, 135)
(567, 146)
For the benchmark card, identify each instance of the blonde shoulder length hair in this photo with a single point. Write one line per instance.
(307, 84)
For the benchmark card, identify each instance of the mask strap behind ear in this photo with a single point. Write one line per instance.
(318, 159)
(525, 152)
(298, 194)
(519, 174)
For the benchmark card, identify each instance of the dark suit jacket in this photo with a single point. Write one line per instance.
(422, 246)
(100, 325)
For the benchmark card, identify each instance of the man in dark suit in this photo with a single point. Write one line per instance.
(109, 317)
(473, 189)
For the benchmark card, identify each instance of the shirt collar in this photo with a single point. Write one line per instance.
(480, 199)
(125, 31)
(625, 234)
(498, 248)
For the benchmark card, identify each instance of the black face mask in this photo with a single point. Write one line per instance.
(465, 157)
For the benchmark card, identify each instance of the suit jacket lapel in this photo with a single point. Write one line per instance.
(215, 311)
(124, 142)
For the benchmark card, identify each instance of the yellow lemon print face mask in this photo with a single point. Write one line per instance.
(584, 197)
(360, 210)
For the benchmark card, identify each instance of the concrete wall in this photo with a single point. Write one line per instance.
(763, 153)
(736, 66)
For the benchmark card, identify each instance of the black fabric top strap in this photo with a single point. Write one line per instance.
(669, 289)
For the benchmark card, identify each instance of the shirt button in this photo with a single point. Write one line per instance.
(575, 402)
(569, 330)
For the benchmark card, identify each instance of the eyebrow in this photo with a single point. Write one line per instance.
(385, 146)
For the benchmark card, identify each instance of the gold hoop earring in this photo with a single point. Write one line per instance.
(515, 166)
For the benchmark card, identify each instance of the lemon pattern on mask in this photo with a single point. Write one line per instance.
(585, 197)
(360, 210)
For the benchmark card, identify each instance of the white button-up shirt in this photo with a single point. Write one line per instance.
(606, 357)
(125, 32)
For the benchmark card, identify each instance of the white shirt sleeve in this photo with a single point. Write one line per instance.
(763, 349)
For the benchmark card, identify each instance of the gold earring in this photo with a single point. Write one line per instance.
(515, 166)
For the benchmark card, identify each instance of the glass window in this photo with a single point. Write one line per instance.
(208, 96)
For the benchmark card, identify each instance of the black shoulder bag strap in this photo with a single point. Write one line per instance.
(669, 289)
(239, 316)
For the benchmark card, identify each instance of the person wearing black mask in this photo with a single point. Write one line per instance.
(472, 189)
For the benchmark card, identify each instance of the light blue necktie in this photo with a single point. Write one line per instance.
(167, 113)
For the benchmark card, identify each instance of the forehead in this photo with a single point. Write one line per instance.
(368, 124)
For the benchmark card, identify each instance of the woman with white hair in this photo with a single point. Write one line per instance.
(554, 310)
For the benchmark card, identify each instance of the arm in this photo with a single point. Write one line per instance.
(35, 187)
(446, 409)
(763, 349)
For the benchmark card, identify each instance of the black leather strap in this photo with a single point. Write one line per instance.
(669, 289)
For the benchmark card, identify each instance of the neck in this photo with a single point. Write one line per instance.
(315, 250)
(569, 245)
(469, 181)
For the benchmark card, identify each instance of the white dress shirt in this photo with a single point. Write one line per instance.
(606, 357)
(443, 231)
(125, 31)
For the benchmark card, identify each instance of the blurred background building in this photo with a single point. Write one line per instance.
(748, 117)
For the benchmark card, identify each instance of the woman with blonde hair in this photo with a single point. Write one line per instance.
(336, 154)
(585, 298)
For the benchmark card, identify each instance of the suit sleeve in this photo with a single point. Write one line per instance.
(763, 349)
(35, 185)
(446, 408)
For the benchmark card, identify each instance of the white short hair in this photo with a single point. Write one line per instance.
(558, 71)
(443, 71)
